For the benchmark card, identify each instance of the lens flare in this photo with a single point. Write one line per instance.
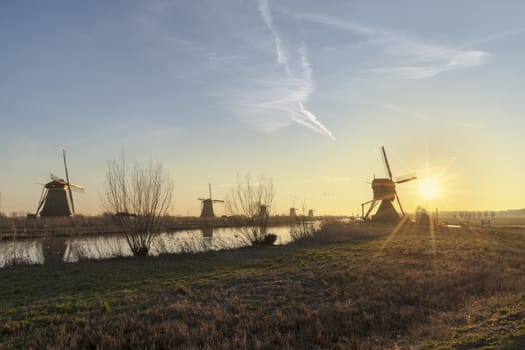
(429, 188)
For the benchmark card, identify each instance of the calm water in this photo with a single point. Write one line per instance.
(73, 249)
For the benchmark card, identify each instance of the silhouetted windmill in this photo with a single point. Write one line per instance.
(385, 192)
(263, 211)
(207, 205)
(54, 198)
(293, 212)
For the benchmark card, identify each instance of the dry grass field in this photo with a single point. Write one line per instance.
(348, 287)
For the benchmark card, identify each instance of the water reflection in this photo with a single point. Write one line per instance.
(23, 252)
(96, 247)
(55, 249)
(207, 232)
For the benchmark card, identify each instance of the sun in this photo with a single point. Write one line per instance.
(429, 188)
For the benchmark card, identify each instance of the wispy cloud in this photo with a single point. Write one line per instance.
(415, 59)
(281, 100)
(427, 64)
(264, 10)
(497, 36)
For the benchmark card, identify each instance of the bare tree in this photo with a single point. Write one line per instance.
(140, 199)
(249, 205)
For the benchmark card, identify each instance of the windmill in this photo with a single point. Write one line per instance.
(384, 190)
(207, 205)
(263, 212)
(293, 212)
(57, 196)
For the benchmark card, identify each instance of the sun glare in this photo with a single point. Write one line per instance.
(429, 188)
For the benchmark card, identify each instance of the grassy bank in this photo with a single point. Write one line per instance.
(350, 287)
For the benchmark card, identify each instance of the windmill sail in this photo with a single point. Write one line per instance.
(68, 184)
(386, 163)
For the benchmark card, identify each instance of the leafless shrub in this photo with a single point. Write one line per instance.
(301, 226)
(140, 200)
(249, 205)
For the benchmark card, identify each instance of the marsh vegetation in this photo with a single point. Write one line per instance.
(348, 286)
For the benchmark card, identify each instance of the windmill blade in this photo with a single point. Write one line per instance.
(71, 199)
(57, 179)
(76, 188)
(209, 187)
(386, 162)
(69, 186)
(400, 206)
(372, 206)
(405, 178)
(363, 207)
(217, 201)
(41, 201)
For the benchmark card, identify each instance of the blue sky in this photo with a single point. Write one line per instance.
(304, 92)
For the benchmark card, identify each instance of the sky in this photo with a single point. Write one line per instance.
(300, 91)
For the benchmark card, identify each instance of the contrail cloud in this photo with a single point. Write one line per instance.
(286, 97)
(266, 14)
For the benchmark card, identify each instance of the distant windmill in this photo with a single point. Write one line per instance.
(263, 211)
(385, 192)
(54, 197)
(207, 205)
(311, 213)
(293, 212)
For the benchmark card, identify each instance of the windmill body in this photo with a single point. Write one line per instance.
(386, 213)
(55, 201)
(207, 209)
(384, 193)
(207, 205)
(384, 189)
(57, 196)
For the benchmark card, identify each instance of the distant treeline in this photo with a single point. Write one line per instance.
(23, 227)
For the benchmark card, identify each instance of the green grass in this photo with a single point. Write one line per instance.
(352, 287)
